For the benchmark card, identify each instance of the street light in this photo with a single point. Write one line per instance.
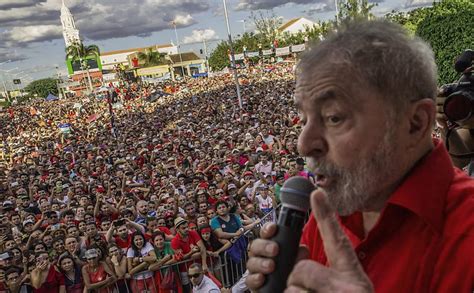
(179, 51)
(232, 57)
(243, 23)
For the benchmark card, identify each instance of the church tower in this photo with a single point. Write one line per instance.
(70, 32)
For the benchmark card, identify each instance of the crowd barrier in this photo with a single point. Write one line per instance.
(227, 269)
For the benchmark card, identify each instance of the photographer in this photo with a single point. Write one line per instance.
(459, 111)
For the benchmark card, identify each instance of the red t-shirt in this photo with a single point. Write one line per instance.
(424, 238)
(53, 281)
(185, 245)
(123, 244)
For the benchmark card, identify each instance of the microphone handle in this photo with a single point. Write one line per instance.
(290, 225)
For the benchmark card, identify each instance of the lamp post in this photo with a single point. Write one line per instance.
(3, 81)
(232, 57)
(179, 51)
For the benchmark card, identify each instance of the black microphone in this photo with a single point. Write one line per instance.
(294, 196)
(464, 61)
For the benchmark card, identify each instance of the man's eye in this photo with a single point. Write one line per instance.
(334, 120)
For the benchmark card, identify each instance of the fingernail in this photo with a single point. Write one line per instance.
(270, 248)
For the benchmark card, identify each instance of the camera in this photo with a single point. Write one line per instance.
(459, 104)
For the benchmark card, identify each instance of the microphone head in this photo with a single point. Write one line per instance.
(295, 193)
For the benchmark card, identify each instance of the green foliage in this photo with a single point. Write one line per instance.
(266, 26)
(78, 51)
(219, 57)
(351, 10)
(410, 19)
(151, 58)
(42, 87)
(449, 28)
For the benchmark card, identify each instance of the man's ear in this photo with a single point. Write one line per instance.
(421, 118)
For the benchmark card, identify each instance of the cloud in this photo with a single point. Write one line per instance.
(200, 35)
(319, 7)
(418, 3)
(9, 4)
(37, 33)
(183, 20)
(96, 20)
(267, 4)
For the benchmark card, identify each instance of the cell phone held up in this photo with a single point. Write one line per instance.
(119, 223)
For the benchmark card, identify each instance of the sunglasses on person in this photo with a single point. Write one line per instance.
(194, 275)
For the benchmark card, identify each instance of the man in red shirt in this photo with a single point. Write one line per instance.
(185, 244)
(405, 214)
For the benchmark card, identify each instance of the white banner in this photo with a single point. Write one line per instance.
(252, 54)
(298, 48)
(267, 52)
(282, 51)
(239, 56)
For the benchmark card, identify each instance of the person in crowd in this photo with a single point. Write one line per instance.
(97, 275)
(72, 274)
(200, 282)
(370, 203)
(138, 256)
(45, 277)
(117, 260)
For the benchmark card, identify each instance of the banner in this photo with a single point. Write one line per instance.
(252, 54)
(267, 52)
(282, 51)
(239, 57)
(298, 48)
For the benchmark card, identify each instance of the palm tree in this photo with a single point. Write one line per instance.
(152, 58)
(77, 51)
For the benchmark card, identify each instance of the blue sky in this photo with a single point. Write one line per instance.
(31, 36)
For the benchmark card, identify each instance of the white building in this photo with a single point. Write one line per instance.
(296, 25)
(70, 32)
(113, 58)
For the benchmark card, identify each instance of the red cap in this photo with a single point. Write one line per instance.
(248, 173)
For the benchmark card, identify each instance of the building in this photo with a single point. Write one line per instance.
(296, 25)
(110, 60)
(70, 32)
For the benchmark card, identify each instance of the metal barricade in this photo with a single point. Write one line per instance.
(226, 268)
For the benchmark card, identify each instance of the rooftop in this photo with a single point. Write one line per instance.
(135, 49)
(188, 56)
(288, 24)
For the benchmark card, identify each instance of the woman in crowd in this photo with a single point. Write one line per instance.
(72, 274)
(138, 256)
(163, 255)
(44, 277)
(97, 274)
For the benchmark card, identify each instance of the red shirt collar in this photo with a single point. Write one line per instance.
(424, 191)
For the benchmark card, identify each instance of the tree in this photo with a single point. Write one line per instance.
(42, 87)
(449, 28)
(219, 58)
(151, 58)
(352, 10)
(266, 26)
(77, 51)
(410, 19)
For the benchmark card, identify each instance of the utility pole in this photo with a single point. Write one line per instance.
(232, 56)
(179, 51)
(205, 54)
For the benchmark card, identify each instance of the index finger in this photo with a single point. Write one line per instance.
(339, 250)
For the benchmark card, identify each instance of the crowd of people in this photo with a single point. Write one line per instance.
(103, 199)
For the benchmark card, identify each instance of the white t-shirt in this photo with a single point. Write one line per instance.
(143, 252)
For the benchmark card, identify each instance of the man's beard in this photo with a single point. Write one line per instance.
(353, 189)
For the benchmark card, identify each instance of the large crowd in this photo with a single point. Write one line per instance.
(104, 193)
